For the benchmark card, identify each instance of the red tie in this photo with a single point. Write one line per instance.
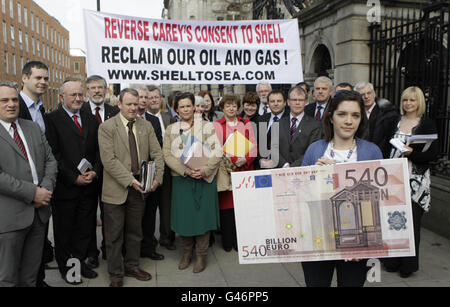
(318, 112)
(77, 124)
(97, 114)
(18, 141)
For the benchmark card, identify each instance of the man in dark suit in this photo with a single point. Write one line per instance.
(72, 134)
(35, 84)
(382, 117)
(96, 90)
(162, 195)
(268, 131)
(149, 242)
(297, 131)
(27, 178)
(323, 88)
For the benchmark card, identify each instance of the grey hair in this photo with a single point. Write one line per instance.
(363, 84)
(323, 79)
(199, 100)
(67, 80)
(95, 78)
(259, 84)
(9, 84)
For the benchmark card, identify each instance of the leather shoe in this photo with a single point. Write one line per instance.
(116, 284)
(153, 256)
(169, 245)
(138, 274)
(86, 272)
(92, 262)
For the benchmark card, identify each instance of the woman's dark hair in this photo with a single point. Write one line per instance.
(211, 111)
(339, 97)
(251, 98)
(184, 95)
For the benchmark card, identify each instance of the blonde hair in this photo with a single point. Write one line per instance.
(418, 94)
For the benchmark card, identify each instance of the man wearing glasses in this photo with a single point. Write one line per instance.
(72, 134)
(297, 131)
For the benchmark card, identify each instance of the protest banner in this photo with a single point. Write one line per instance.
(342, 211)
(138, 50)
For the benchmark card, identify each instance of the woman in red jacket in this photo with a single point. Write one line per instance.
(237, 157)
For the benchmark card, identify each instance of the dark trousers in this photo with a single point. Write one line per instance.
(166, 234)
(349, 274)
(161, 199)
(123, 225)
(149, 242)
(408, 265)
(47, 256)
(93, 250)
(20, 255)
(228, 228)
(73, 225)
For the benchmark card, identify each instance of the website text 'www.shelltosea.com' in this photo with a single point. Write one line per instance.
(179, 75)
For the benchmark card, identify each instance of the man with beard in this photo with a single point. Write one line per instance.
(72, 134)
(96, 90)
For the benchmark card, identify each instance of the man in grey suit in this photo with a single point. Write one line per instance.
(27, 178)
(297, 131)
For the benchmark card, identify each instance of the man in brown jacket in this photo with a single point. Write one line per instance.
(124, 142)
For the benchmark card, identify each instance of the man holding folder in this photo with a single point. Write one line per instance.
(125, 141)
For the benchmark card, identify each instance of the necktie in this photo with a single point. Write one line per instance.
(75, 120)
(275, 119)
(18, 141)
(293, 125)
(265, 109)
(318, 113)
(133, 149)
(97, 114)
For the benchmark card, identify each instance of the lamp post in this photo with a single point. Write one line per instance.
(98, 5)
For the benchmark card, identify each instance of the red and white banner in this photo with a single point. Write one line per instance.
(138, 50)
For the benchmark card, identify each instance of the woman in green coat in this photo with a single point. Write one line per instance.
(195, 210)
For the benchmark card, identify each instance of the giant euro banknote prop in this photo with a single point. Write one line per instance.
(349, 210)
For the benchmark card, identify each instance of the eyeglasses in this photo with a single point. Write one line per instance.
(81, 95)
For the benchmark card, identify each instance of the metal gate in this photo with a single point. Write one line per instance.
(411, 47)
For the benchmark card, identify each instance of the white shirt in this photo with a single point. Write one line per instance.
(261, 108)
(272, 116)
(322, 106)
(161, 122)
(299, 119)
(35, 110)
(370, 110)
(341, 156)
(10, 130)
(72, 114)
(101, 111)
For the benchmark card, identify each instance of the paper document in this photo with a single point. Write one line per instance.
(237, 145)
(84, 166)
(196, 156)
(147, 174)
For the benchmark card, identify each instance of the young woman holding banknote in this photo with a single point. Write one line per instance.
(343, 124)
(413, 122)
(194, 206)
(241, 160)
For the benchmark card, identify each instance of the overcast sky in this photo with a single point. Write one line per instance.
(70, 13)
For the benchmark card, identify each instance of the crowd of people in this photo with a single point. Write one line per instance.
(88, 154)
